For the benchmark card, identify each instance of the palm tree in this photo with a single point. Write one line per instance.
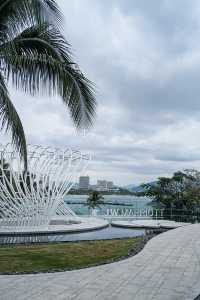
(35, 57)
(94, 200)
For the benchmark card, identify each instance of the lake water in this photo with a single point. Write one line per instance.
(101, 234)
(77, 203)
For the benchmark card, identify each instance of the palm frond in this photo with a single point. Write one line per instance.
(16, 14)
(10, 121)
(41, 39)
(80, 97)
(35, 73)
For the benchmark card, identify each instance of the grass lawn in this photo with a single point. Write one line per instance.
(60, 256)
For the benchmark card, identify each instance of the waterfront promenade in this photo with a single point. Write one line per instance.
(168, 268)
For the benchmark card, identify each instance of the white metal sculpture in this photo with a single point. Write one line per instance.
(32, 198)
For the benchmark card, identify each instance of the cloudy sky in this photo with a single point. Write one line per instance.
(144, 58)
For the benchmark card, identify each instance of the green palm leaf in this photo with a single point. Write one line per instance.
(18, 13)
(39, 73)
(11, 122)
(40, 39)
(39, 59)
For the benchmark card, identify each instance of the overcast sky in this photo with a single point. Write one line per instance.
(144, 58)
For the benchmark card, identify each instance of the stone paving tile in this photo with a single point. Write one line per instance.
(168, 296)
(168, 268)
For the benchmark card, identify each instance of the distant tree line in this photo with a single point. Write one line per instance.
(181, 191)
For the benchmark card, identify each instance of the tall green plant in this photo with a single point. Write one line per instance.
(95, 200)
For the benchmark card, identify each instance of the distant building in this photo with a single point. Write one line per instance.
(101, 185)
(84, 182)
(110, 185)
(104, 185)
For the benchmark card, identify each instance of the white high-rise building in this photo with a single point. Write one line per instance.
(104, 185)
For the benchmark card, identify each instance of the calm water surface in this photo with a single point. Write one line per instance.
(77, 203)
(101, 234)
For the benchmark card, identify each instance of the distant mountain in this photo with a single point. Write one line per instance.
(137, 188)
(129, 187)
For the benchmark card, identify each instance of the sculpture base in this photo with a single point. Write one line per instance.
(59, 226)
(152, 224)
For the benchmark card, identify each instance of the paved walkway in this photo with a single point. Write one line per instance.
(167, 269)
